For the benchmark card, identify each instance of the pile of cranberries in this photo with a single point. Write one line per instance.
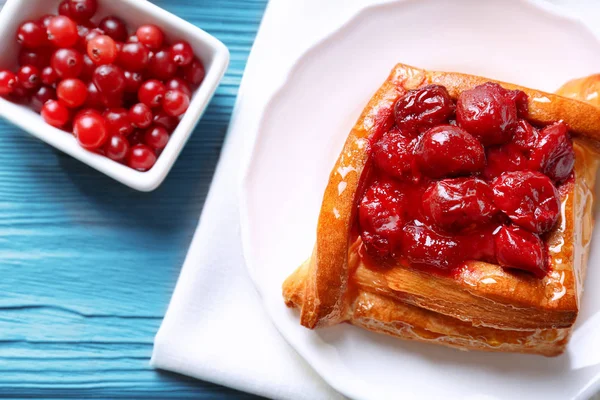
(121, 95)
(471, 180)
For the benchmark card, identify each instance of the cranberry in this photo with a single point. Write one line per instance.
(116, 148)
(133, 39)
(393, 154)
(55, 114)
(134, 57)
(151, 36)
(82, 10)
(161, 66)
(156, 137)
(175, 103)
(528, 198)
(72, 92)
(67, 63)
(109, 79)
(87, 72)
(29, 77)
(113, 100)
(182, 53)
(20, 94)
(460, 203)
(115, 28)
(62, 32)
(423, 108)
(179, 84)
(137, 137)
(502, 159)
(133, 82)
(92, 34)
(45, 22)
(32, 35)
(448, 150)
(43, 94)
(94, 97)
(553, 153)
(525, 135)
(487, 112)
(194, 73)
(8, 81)
(380, 216)
(64, 9)
(102, 50)
(151, 93)
(90, 131)
(518, 248)
(422, 246)
(39, 58)
(140, 116)
(117, 121)
(141, 157)
(49, 76)
(166, 121)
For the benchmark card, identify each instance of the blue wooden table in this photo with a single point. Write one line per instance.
(88, 266)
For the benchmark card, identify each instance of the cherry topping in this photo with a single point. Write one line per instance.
(156, 137)
(423, 108)
(393, 154)
(62, 32)
(502, 159)
(182, 53)
(109, 79)
(528, 198)
(422, 246)
(460, 203)
(43, 94)
(55, 114)
(114, 27)
(102, 50)
(525, 135)
(72, 92)
(487, 112)
(448, 150)
(194, 73)
(67, 63)
(151, 93)
(553, 153)
(116, 148)
(140, 116)
(117, 121)
(29, 77)
(82, 10)
(90, 131)
(134, 57)
(32, 35)
(521, 100)
(521, 249)
(141, 157)
(8, 81)
(175, 103)
(151, 36)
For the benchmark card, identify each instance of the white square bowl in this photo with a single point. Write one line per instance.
(210, 50)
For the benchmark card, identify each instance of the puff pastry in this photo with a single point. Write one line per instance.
(482, 306)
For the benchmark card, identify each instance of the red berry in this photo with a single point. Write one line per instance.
(72, 92)
(20, 94)
(55, 114)
(179, 84)
(518, 248)
(166, 121)
(141, 157)
(62, 32)
(528, 198)
(525, 136)
(43, 94)
(133, 82)
(63, 8)
(102, 50)
(90, 131)
(423, 108)
(161, 66)
(8, 81)
(45, 22)
(32, 35)
(151, 93)
(505, 158)
(422, 246)
(151, 36)
(140, 116)
(156, 137)
(393, 154)
(117, 121)
(82, 10)
(92, 34)
(133, 39)
(194, 73)
(114, 100)
(109, 79)
(137, 137)
(49, 76)
(94, 98)
(67, 63)
(175, 103)
(29, 77)
(182, 53)
(88, 69)
(39, 58)
(134, 57)
(553, 153)
(116, 148)
(114, 27)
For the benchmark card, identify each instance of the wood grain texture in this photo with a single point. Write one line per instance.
(88, 265)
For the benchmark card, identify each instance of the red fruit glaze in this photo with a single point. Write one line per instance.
(29, 77)
(528, 198)
(140, 116)
(156, 137)
(114, 27)
(90, 131)
(134, 57)
(72, 92)
(32, 34)
(422, 246)
(102, 50)
(393, 154)
(525, 136)
(8, 81)
(502, 159)
(67, 63)
(448, 150)
(175, 103)
(521, 249)
(151, 36)
(194, 73)
(141, 157)
(62, 32)
(423, 108)
(553, 153)
(55, 114)
(117, 121)
(151, 93)
(109, 79)
(116, 148)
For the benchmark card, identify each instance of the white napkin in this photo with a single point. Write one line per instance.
(215, 328)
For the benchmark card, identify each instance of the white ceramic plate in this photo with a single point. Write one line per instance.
(302, 131)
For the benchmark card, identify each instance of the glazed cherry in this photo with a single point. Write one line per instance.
(49, 76)
(140, 116)
(179, 84)
(102, 50)
(460, 203)
(82, 10)
(162, 66)
(525, 136)
(528, 198)
(55, 114)
(423, 108)
(521, 249)
(393, 154)
(447, 150)
(67, 63)
(94, 97)
(488, 112)
(175, 103)
(117, 121)
(141, 157)
(151, 36)
(422, 246)
(90, 131)
(39, 58)
(506, 158)
(133, 81)
(62, 32)
(116, 148)
(114, 27)
(134, 57)
(72, 92)
(521, 101)
(553, 153)
(182, 53)
(29, 77)
(156, 137)
(194, 73)
(380, 218)
(166, 121)
(151, 93)
(32, 35)
(109, 79)
(41, 96)
(64, 9)
(8, 81)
